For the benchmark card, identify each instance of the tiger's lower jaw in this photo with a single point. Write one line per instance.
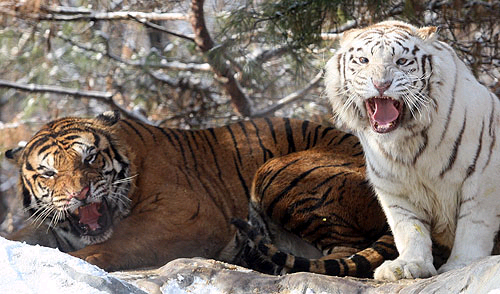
(93, 222)
(384, 113)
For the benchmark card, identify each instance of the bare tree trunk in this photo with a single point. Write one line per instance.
(239, 100)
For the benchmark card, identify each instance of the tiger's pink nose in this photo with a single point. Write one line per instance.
(381, 86)
(80, 195)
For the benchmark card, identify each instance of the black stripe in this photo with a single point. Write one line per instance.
(301, 264)
(179, 143)
(235, 145)
(332, 267)
(452, 104)
(271, 129)
(271, 180)
(193, 156)
(316, 132)
(289, 136)
(472, 168)
(491, 133)
(285, 191)
(134, 129)
(242, 180)
(214, 156)
(305, 124)
(265, 151)
(279, 258)
(456, 145)
(326, 131)
(363, 266)
(164, 132)
(343, 138)
(146, 127)
(327, 180)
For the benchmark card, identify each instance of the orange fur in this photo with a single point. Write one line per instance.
(184, 186)
(322, 197)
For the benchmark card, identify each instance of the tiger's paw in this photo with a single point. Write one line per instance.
(99, 259)
(393, 270)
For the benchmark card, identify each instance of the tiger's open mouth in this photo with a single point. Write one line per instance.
(384, 113)
(92, 219)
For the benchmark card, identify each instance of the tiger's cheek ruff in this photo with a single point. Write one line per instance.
(380, 86)
(435, 172)
(76, 179)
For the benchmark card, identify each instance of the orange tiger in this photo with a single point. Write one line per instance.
(122, 194)
(314, 211)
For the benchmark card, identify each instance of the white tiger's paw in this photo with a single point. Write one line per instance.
(393, 270)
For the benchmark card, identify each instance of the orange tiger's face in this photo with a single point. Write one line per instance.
(379, 79)
(75, 174)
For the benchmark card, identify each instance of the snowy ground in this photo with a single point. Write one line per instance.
(37, 269)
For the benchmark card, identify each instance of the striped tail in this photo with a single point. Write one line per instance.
(361, 264)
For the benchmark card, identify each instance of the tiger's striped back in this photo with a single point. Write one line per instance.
(321, 197)
(224, 160)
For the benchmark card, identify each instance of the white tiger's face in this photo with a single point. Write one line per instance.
(379, 79)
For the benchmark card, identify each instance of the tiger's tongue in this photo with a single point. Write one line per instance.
(89, 215)
(385, 112)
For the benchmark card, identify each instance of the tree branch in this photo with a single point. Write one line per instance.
(202, 38)
(172, 65)
(152, 25)
(104, 97)
(90, 15)
(291, 97)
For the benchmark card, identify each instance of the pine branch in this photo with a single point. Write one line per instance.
(290, 98)
(105, 97)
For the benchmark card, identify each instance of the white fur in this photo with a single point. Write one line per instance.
(459, 211)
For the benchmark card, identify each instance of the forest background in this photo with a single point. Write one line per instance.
(196, 64)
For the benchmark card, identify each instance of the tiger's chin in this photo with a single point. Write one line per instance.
(384, 113)
(93, 222)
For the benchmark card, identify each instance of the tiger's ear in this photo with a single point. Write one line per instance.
(109, 118)
(14, 154)
(428, 33)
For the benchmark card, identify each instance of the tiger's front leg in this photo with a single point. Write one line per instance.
(152, 239)
(413, 240)
(477, 223)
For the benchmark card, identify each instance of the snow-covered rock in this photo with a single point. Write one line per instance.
(209, 276)
(36, 269)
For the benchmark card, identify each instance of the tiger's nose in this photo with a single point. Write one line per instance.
(80, 195)
(381, 86)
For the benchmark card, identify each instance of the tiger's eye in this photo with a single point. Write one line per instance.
(49, 174)
(401, 61)
(90, 158)
(363, 60)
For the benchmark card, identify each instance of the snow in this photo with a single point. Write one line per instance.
(37, 269)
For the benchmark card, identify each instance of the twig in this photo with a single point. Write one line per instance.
(105, 97)
(290, 98)
(161, 28)
(172, 65)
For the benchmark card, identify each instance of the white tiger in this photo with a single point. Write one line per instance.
(428, 129)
